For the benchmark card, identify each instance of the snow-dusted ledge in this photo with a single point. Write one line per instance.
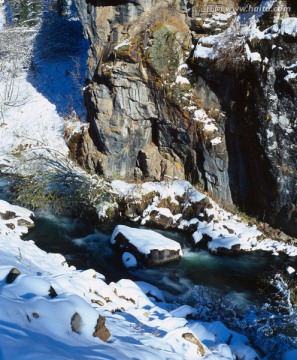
(188, 209)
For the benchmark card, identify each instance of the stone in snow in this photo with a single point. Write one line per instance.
(147, 246)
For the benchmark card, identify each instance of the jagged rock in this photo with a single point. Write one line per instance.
(175, 207)
(162, 220)
(142, 120)
(260, 128)
(133, 207)
(155, 166)
(101, 330)
(139, 121)
(13, 274)
(194, 210)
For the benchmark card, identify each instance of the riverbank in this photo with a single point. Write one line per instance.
(54, 310)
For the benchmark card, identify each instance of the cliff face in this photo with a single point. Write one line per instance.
(139, 104)
(154, 109)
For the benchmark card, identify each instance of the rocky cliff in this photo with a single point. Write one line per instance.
(155, 109)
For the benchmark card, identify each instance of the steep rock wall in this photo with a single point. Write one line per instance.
(154, 111)
(139, 109)
(259, 99)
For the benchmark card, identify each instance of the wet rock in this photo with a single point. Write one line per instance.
(235, 249)
(101, 330)
(280, 288)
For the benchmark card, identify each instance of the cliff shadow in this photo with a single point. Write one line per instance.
(58, 65)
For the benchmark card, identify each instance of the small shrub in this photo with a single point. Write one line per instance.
(55, 183)
(230, 50)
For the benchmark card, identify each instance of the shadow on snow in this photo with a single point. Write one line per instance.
(59, 58)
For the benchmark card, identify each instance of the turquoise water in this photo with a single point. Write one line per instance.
(86, 246)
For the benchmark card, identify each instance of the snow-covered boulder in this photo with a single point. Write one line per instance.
(147, 246)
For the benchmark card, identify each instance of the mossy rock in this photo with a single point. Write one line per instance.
(164, 51)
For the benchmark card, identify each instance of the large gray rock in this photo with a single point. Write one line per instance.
(140, 125)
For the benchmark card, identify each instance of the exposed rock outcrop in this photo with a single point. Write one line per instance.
(155, 111)
(140, 105)
(260, 106)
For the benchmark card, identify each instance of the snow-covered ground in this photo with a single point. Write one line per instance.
(38, 74)
(50, 311)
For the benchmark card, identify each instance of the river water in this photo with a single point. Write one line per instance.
(86, 246)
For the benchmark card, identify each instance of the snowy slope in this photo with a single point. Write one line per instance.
(38, 307)
(40, 84)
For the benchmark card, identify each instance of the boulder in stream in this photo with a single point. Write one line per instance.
(147, 246)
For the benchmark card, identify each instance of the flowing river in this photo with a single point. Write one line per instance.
(87, 246)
